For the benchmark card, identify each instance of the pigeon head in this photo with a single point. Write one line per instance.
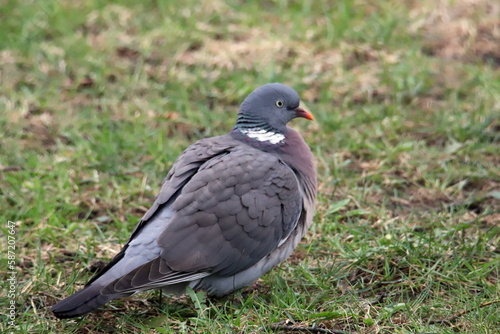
(263, 115)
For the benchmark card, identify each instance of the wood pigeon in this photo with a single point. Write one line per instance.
(231, 208)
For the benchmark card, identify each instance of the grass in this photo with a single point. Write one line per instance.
(98, 98)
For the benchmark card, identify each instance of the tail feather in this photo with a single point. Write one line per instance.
(83, 302)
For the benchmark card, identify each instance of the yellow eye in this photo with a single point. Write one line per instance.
(280, 103)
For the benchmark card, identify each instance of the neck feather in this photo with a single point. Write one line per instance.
(258, 130)
(263, 135)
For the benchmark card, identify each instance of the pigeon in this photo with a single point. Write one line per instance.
(231, 208)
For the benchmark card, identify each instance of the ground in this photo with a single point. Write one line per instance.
(98, 98)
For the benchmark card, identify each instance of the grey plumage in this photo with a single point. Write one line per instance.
(231, 208)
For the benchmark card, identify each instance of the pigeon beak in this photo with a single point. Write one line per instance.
(301, 111)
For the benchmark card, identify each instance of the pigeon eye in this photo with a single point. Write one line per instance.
(280, 103)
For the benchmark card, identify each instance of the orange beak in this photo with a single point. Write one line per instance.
(304, 113)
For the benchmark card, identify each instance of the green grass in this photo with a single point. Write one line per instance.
(98, 98)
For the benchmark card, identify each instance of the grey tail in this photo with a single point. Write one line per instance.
(82, 302)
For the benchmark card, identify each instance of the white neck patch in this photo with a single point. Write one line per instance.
(264, 135)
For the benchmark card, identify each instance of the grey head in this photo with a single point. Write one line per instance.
(263, 115)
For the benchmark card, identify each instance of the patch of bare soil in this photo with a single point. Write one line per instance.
(40, 129)
(464, 30)
(238, 53)
(348, 65)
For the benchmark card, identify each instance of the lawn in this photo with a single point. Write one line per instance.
(98, 98)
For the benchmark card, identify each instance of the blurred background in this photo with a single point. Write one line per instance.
(98, 98)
